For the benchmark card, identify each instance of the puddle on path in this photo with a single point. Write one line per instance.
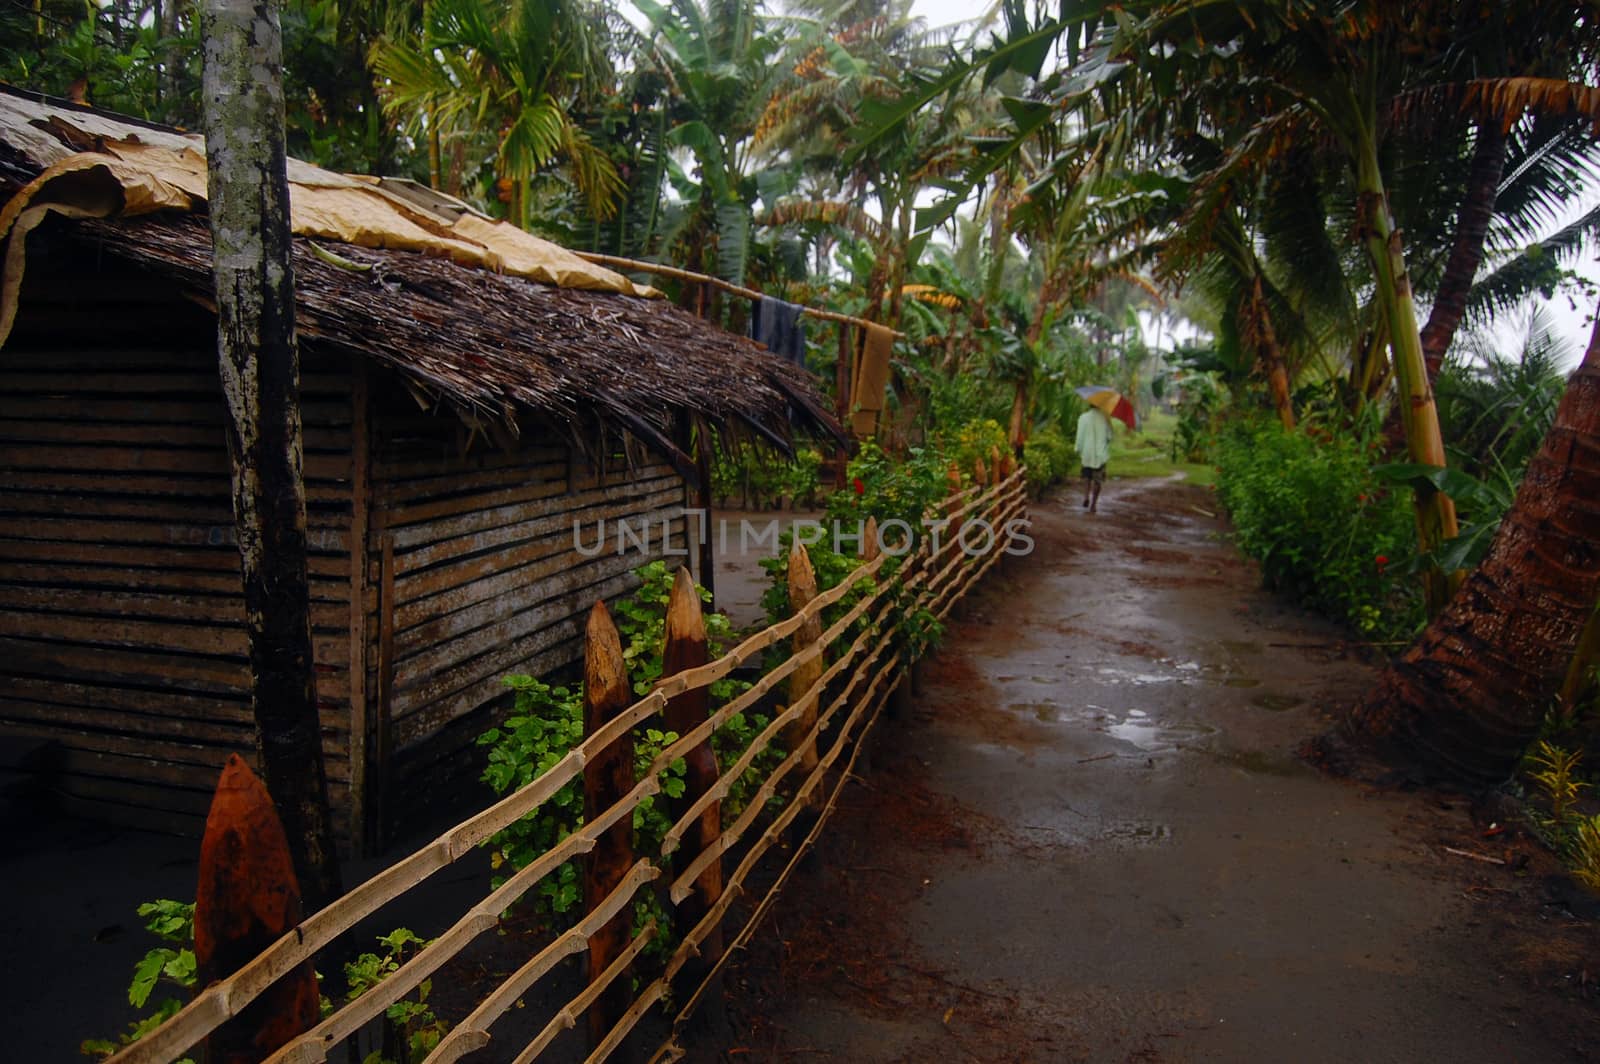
(1277, 703)
(1150, 735)
(1138, 832)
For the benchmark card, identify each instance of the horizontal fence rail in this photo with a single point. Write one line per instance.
(838, 680)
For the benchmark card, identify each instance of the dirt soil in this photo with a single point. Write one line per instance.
(1092, 840)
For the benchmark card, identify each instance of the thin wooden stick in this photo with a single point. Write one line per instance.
(768, 788)
(567, 1018)
(678, 274)
(473, 1032)
(772, 834)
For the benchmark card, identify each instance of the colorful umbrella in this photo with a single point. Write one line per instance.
(1109, 402)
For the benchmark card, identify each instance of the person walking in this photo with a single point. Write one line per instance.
(1094, 451)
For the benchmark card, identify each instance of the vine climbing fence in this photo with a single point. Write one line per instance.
(841, 655)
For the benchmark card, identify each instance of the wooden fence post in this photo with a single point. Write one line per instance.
(870, 547)
(686, 649)
(802, 589)
(607, 779)
(980, 472)
(247, 899)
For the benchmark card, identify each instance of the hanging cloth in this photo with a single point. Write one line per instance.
(777, 325)
(871, 378)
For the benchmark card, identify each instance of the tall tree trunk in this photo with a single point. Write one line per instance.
(1271, 355)
(260, 368)
(1466, 254)
(1470, 694)
(1436, 513)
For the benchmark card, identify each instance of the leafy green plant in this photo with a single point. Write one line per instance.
(1325, 528)
(547, 722)
(414, 1028)
(1584, 858)
(171, 965)
(1574, 836)
(878, 485)
(1555, 770)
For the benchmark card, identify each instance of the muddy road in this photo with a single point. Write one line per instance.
(1091, 839)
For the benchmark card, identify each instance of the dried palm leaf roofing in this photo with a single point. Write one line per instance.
(446, 308)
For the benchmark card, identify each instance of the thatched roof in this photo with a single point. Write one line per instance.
(490, 345)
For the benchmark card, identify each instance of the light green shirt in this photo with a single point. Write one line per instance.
(1094, 438)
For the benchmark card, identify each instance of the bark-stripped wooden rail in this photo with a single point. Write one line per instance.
(834, 697)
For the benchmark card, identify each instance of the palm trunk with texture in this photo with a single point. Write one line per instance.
(1469, 695)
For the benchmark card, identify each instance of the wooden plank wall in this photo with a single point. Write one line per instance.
(122, 648)
(479, 579)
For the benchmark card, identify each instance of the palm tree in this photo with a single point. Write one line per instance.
(516, 68)
(1467, 698)
(717, 57)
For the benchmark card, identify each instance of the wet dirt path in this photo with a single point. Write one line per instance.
(1092, 840)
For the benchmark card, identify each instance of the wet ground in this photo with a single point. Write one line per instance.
(1092, 840)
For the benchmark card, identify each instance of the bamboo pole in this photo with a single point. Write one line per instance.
(617, 262)
(606, 780)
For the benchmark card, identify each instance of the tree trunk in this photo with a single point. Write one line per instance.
(1436, 513)
(1271, 356)
(1470, 694)
(249, 206)
(1466, 254)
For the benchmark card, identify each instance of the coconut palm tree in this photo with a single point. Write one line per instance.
(1469, 695)
(515, 68)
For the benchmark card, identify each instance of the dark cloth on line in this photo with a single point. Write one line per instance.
(777, 324)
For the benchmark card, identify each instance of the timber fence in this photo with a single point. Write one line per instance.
(847, 648)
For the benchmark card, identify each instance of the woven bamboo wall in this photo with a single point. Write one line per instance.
(122, 640)
(478, 578)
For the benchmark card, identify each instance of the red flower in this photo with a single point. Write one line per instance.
(1382, 561)
(861, 489)
(1361, 498)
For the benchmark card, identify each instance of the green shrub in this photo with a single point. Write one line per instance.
(763, 479)
(879, 486)
(977, 439)
(1326, 530)
(547, 722)
(1050, 458)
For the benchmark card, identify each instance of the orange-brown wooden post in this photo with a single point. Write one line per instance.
(686, 649)
(952, 479)
(247, 899)
(870, 547)
(802, 589)
(998, 463)
(980, 472)
(607, 779)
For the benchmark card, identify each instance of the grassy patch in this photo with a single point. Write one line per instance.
(1147, 453)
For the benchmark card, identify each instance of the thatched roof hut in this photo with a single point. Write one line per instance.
(459, 423)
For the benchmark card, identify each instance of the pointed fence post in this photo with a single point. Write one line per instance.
(247, 899)
(607, 779)
(802, 589)
(980, 473)
(870, 545)
(997, 464)
(686, 649)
